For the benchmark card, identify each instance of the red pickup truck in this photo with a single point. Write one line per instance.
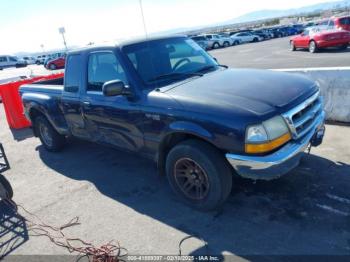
(316, 38)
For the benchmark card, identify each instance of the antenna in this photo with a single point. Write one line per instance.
(143, 19)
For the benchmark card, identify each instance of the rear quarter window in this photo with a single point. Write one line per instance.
(72, 79)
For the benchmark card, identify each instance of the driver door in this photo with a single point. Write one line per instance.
(113, 120)
(304, 39)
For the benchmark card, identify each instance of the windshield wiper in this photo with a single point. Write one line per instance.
(173, 76)
(206, 68)
(209, 67)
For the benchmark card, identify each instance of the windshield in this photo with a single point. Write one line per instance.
(161, 62)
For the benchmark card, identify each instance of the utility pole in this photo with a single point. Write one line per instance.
(62, 31)
(143, 19)
(42, 47)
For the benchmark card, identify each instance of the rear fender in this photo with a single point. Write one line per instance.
(45, 105)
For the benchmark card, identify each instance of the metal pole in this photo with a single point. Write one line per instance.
(64, 41)
(143, 19)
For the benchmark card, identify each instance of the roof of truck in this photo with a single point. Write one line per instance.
(122, 43)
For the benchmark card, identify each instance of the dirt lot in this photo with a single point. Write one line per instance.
(120, 196)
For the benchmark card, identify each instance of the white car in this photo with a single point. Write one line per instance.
(227, 40)
(214, 41)
(11, 61)
(246, 37)
(29, 59)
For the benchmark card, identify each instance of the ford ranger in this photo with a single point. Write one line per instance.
(167, 99)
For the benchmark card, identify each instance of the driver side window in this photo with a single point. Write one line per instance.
(103, 67)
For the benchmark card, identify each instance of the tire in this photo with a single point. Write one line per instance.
(236, 43)
(313, 47)
(216, 45)
(6, 191)
(50, 139)
(343, 47)
(226, 44)
(212, 170)
(292, 46)
(53, 67)
(255, 40)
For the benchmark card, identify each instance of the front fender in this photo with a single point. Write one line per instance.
(190, 128)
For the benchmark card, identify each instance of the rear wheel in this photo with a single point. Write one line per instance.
(52, 66)
(255, 40)
(292, 46)
(199, 174)
(226, 44)
(6, 191)
(49, 137)
(313, 47)
(216, 45)
(343, 47)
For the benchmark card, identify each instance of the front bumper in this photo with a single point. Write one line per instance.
(280, 162)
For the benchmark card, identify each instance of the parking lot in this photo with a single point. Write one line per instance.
(275, 53)
(120, 196)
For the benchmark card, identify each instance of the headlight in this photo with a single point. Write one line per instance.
(267, 136)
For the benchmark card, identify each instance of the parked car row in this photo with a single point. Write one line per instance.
(306, 37)
(7, 61)
(214, 41)
(225, 39)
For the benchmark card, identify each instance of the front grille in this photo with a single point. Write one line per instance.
(302, 118)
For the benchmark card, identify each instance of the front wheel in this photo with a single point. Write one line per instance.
(292, 46)
(52, 67)
(199, 174)
(49, 137)
(312, 47)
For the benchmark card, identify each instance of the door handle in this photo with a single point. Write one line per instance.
(86, 103)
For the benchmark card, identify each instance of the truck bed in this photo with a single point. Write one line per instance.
(53, 87)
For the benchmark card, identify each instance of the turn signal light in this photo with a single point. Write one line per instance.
(268, 146)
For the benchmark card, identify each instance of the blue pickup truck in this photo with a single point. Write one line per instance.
(167, 99)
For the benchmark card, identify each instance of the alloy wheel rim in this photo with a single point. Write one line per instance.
(312, 46)
(191, 179)
(45, 134)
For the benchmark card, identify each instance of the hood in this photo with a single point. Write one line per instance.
(254, 92)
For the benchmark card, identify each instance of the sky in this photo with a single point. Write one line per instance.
(25, 25)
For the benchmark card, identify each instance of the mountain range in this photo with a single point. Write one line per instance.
(267, 14)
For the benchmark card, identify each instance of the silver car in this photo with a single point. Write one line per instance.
(214, 41)
(227, 40)
(201, 41)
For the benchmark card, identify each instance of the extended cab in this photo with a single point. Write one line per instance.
(167, 99)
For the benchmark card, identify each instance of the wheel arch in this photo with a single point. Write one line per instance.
(179, 132)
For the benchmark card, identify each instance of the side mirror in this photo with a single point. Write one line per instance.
(115, 88)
